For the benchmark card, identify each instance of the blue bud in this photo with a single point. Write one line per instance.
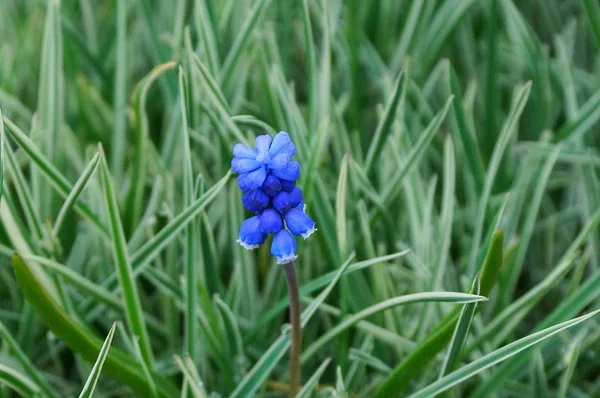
(282, 143)
(270, 221)
(299, 223)
(262, 147)
(242, 151)
(256, 200)
(251, 236)
(284, 201)
(252, 180)
(272, 185)
(279, 161)
(284, 247)
(287, 186)
(244, 165)
(291, 172)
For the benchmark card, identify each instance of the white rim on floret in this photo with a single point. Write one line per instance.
(309, 233)
(247, 246)
(286, 259)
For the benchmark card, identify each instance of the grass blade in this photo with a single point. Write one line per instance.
(439, 337)
(384, 127)
(507, 130)
(311, 383)
(118, 364)
(74, 194)
(497, 356)
(462, 330)
(446, 297)
(90, 384)
(18, 381)
(131, 298)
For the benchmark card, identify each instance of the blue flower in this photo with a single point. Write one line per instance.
(267, 177)
(272, 185)
(299, 223)
(256, 200)
(284, 247)
(251, 236)
(284, 201)
(270, 221)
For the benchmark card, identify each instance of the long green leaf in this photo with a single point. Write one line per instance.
(384, 127)
(18, 381)
(497, 356)
(131, 298)
(118, 364)
(446, 297)
(439, 337)
(462, 330)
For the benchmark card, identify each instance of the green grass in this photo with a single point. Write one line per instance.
(447, 147)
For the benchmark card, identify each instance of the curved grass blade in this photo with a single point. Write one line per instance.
(311, 383)
(467, 136)
(497, 356)
(74, 194)
(158, 242)
(240, 42)
(191, 377)
(384, 127)
(395, 181)
(131, 298)
(191, 278)
(587, 117)
(18, 381)
(315, 284)
(462, 330)
(90, 384)
(507, 131)
(446, 297)
(439, 337)
(504, 322)
(25, 362)
(445, 20)
(119, 136)
(118, 364)
(58, 181)
(141, 133)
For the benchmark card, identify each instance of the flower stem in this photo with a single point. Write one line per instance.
(292, 282)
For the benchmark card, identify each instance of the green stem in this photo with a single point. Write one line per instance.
(292, 282)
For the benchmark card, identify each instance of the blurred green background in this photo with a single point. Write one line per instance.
(446, 146)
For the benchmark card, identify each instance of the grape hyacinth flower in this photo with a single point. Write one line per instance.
(267, 177)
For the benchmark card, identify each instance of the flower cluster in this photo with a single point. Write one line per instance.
(267, 177)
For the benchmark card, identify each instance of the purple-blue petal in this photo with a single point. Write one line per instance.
(284, 247)
(299, 223)
(251, 236)
(262, 147)
(252, 180)
(270, 221)
(279, 161)
(280, 141)
(256, 200)
(244, 165)
(242, 151)
(272, 185)
(291, 172)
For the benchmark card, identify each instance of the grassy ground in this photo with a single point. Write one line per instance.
(447, 147)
